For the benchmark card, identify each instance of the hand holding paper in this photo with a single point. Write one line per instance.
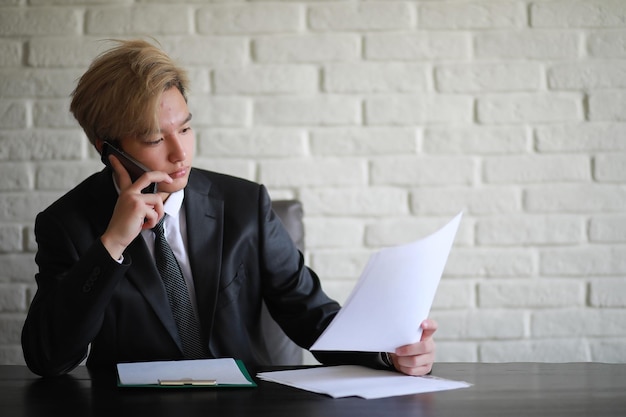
(392, 297)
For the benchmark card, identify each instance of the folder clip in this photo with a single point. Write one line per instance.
(187, 381)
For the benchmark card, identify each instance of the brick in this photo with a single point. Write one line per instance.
(375, 78)
(313, 172)
(578, 14)
(492, 262)
(475, 140)
(258, 142)
(153, 19)
(588, 137)
(236, 167)
(531, 294)
(217, 52)
(267, 79)
(64, 176)
(607, 229)
(376, 201)
(11, 238)
(587, 76)
(334, 47)
(607, 105)
(250, 18)
(473, 15)
(11, 328)
(569, 198)
(16, 177)
(536, 169)
(608, 293)
(418, 109)
(313, 111)
(362, 141)
(25, 83)
(454, 294)
(606, 44)
(11, 53)
(13, 115)
(17, 267)
(578, 322)
(53, 113)
(610, 168)
(12, 298)
(608, 350)
(485, 77)
(583, 261)
(409, 46)
(530, 230)
(361, 16)
(220, 111)
(63, 52)
(333, 232)
(11, 355)
(529, 108)
(41, 145)
(451, 200)
(39, 21)
(456, 352)
(527, 45)
(481, 325)
(416, 171)
(549, 350)
(23, 207)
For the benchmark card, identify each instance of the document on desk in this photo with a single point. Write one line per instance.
(392, 297)
(224, 372)
(358, 381)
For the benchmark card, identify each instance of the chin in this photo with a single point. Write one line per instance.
(177, 185)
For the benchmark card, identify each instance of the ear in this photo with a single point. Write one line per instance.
(98, 143)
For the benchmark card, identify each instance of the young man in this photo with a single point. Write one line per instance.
(99, 288)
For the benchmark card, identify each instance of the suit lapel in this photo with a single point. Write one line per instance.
(205, 221)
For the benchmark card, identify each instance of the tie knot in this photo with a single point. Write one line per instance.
(160, 228)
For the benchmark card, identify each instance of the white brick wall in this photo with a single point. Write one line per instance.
(385, 118)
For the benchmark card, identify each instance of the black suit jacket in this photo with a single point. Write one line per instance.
(240, 255)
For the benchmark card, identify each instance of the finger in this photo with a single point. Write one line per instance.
(429, 327)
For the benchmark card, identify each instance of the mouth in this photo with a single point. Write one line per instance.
(179, 173)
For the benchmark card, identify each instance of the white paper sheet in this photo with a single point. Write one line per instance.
(223, 371)
(392, 297)
(348, 380)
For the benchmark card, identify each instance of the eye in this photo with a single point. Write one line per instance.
(153, 142)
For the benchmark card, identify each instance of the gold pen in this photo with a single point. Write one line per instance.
(187, 381)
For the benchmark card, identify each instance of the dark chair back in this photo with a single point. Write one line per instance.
(284, 351)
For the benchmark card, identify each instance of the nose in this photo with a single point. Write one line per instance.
(177, 150)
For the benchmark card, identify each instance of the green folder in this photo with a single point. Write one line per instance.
(200, 373)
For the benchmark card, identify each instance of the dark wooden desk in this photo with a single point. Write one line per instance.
(515, 389)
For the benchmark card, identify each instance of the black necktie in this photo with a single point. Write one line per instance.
(178, 296)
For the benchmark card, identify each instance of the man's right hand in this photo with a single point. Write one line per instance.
(133, 211)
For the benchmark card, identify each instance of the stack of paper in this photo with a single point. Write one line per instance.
(347, 381)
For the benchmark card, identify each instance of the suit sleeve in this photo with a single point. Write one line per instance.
(298, 302)
(73, 291)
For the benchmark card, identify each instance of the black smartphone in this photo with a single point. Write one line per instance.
(135, 169)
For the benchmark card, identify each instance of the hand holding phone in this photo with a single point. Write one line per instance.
(135, 168)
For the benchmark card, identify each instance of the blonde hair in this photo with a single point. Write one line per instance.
(118, 96)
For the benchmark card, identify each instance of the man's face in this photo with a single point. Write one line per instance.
(171, 150)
